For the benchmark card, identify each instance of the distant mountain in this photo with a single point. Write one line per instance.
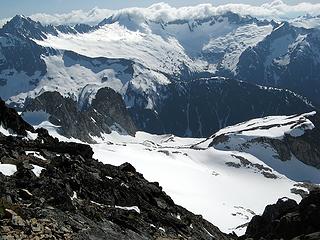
(156, 64)
(288, 58)
(306, 21)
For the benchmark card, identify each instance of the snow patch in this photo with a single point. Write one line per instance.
(8, 169)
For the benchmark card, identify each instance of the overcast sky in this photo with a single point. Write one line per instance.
(10, 8)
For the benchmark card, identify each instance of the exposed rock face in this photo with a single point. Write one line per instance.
(288, 220)
(106, 112)
(77, 197)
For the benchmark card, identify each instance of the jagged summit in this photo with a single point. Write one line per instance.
(25, 27)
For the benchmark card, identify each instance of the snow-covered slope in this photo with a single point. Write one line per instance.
(167, 46)
(264, 138)
(220, 182)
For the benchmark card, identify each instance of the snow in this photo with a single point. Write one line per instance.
(116, 41)
(201, 179)
(74, 196)
(278, 48)
(271, 126)
(35, 154)
(306, 22)
(8, 169)
(17, 82)
(4, 131)
(134, 208)
(234, 43)
(186, 175)
(241, 138)
(37, 170)
(158, 52)
(32, 136)
(197, 177)
(77, 80)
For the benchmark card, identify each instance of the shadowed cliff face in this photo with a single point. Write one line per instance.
(59, 191)
(106, 113)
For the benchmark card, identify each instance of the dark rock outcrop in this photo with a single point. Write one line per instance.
(10, 119)
(77, 197)
(287, 220)
(306, 148)
(106, 112)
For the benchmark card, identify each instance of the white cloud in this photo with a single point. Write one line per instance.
(276, 9)
(77, 16)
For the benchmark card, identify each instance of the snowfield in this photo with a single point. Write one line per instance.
(200, 179)
(116, 41)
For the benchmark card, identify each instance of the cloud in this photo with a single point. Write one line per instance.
(77, 16)
(276, 9)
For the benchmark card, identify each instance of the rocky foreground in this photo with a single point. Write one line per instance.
(76, 197)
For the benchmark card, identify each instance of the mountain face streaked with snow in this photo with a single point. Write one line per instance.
(188, 68)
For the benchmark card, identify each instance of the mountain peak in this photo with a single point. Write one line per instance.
(24, 27)
(19, 21)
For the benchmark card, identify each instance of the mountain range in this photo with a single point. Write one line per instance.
(158, 67)
(220, 112)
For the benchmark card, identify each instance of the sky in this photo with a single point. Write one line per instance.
(10, 8)
(71, 12)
